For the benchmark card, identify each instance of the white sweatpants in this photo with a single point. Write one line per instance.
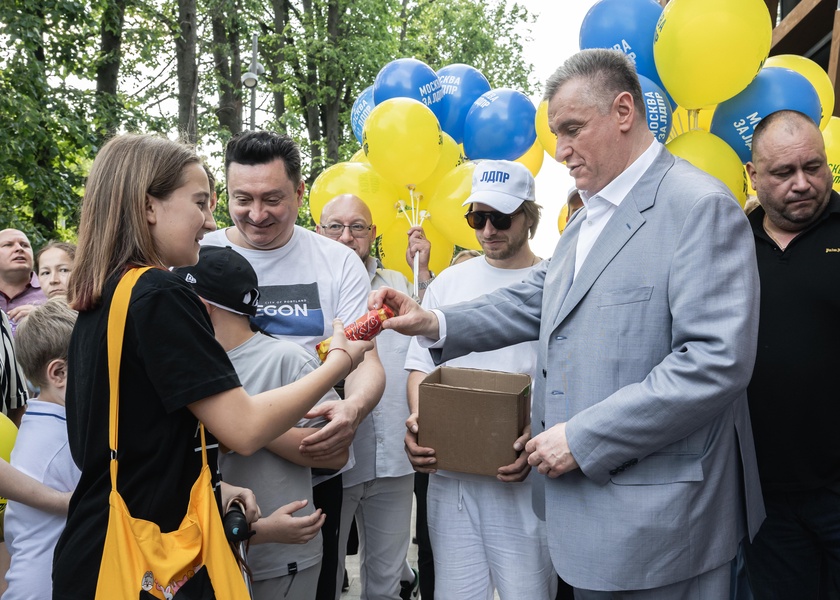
(484, 536)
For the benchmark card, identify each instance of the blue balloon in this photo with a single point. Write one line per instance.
(409, 78)
(500, 125)
(462, 85)
(360, 111)
(657, 109)
(774, 88)
(626, 25)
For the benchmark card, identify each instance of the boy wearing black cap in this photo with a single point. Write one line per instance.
(278, 474)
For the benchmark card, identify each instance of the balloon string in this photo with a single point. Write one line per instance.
(401, 209)
(416, 270)
(694, 119)
(413, 206)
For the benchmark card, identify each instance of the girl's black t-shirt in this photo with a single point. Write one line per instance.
(170, 359)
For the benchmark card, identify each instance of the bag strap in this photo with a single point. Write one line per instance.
(116, 328)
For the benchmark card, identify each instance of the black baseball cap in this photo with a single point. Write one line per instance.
(224, 278)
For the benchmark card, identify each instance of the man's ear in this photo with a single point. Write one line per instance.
(57, 372)
(299, 192)
(625, 110)
(529, 222)
(751, 173)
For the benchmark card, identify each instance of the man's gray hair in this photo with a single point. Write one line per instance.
(607, 73)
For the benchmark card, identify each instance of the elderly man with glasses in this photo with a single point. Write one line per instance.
(378, 489)
(484, 534)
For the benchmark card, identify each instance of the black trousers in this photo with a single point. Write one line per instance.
(425, 559)
(327, 496)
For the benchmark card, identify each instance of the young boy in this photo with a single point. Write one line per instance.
(41, 450)
(278, 474)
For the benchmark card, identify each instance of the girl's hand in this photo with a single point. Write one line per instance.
(352, 350)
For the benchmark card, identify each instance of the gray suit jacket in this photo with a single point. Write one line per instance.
(646, 356)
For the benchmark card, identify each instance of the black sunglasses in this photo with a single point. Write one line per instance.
(478, 218)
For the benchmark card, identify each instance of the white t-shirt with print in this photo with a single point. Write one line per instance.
(304, 285)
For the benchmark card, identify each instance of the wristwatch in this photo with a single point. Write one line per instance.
(422, 285)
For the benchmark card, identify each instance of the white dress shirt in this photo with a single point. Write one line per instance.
(599, 209)
(601, 206)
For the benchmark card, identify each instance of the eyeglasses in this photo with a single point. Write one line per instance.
(335, 230)
(478, 218)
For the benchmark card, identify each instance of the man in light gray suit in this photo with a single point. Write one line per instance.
(646, 318)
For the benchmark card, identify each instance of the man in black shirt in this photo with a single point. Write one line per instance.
(793, 393)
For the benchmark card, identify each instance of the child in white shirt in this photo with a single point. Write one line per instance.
(41, 449)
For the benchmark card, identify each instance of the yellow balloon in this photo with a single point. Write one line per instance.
(563, 218)
(360, 156)
(711, 154)
(403, 141)
(831, 135)
(361, 179)
(750, 189)
(533, 158)
(450, 157)
(394, 243)
(813, 73)
(545, 136)
(706, 51)
(445, 210)
(8, 435)
(685, 120)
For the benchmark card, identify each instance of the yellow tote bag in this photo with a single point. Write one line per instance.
(140, 561)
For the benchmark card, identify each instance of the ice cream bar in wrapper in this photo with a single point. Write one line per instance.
(364, 328)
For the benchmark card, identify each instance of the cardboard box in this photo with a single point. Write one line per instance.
(472, 417)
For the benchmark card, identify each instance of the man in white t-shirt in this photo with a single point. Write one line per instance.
(378, 489)
(484, 533)
(306, 281)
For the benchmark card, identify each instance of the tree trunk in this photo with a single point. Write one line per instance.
(108, 70)
(42, 216)
(228, 69)
(332, 106)
(275, 54)
(185, 54)
(309, 100)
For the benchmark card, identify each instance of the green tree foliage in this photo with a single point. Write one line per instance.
(73, 73)
(44, 138)
(484, 34)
